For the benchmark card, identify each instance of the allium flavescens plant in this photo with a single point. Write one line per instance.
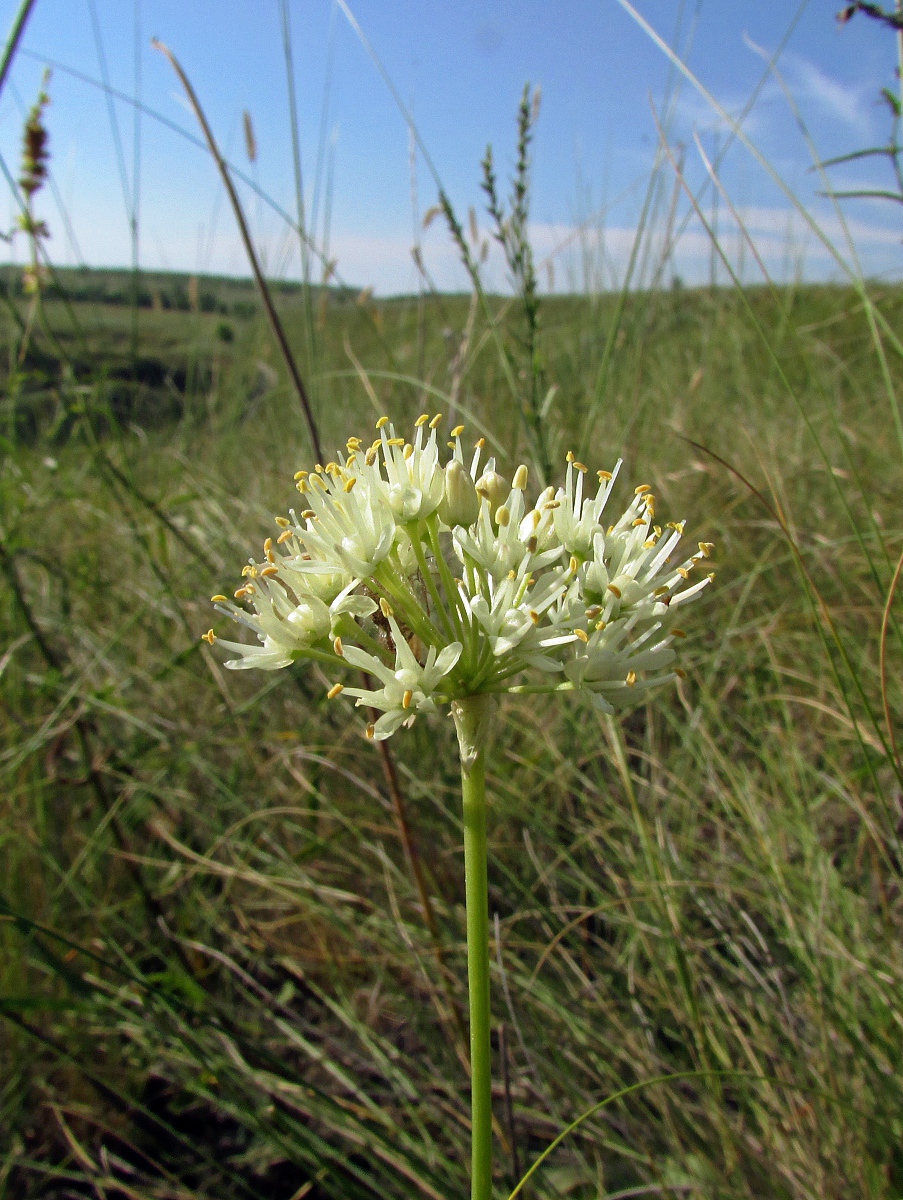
(445, 586)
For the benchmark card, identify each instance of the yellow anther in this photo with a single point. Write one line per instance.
(649, 543)
(308, 514)
(603, 475)
(242, 592)
(407, 698)
(593, 611)
(457, 431)
(680, 673)
(521, 475)
(512, 575)
(683, 572)
(209, 636)
(408, 451)
(385, 607)
(350, 460)
(573, 564)
(451, 445)
(710, 577)
(615, 591)
(382, 421)
(370, 457)
(245, 572)
(219, 599)
(434, 424)
(657, 530)
(338, 647)
(371, 730)
(534, 616)
(269, 572)
(301, 474)
(706, 548)
(268, 545)
(581, 634)
(639, 521)
(642, 489)
(631, 678)
(661, 591)
(349, 483)
(396, 441)
(284, 536)
(282, 522)
(502, 515)
(252, 572)
(579, 466)
(569, 457)
(479, 444)
(335, 690)
(271, 557)
(353, 443)
(600, 625)
(550, 504)
(421, 420)
(319, 469)
(678, 633)
(301, 485)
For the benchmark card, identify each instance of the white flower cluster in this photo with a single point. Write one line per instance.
(439, 582)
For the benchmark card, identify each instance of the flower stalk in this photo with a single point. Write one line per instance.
(472, 716)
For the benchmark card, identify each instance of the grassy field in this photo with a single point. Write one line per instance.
(219, 976)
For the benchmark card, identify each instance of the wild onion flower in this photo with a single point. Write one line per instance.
(401, 565)
(443, 587)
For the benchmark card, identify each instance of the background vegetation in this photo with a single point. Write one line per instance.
(233, 936)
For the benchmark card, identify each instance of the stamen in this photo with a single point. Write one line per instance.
(680, 673)
(385, 607)
(371, 730)
(335, 690)
(209, 637)
(573, 564)
(639, 521)
(642, 489)
(381, 422)
(534, 616)
(350, 484)
(269, 572)
(407, 698)
(706, 548)
(569, 457)
(338, 647)
(683, 572)
(503, 515)
(282, 522)
(602, 476)
(615, 591)
(521, 475)
(457, 431)
(219, 599)
(581, 634)
(300, 475)
(434, 424)
(579, 466)
(284, 536)
(678, 633)
(408, 451)
(243, 591)
(421, 420)
(631, 678)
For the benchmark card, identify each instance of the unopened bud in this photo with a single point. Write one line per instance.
(495, 489)
(460, 503)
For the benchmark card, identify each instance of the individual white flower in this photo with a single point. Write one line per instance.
(501, 540)
(509, 613)
(408, 689)
(607, 664)
(575, 517)
(286, 624)
(345, 523)
(414, 483)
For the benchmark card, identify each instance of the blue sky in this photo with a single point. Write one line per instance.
(459, 67)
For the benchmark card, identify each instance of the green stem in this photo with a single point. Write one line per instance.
(472, 716)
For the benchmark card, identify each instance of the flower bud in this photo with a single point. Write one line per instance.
(495, 489)
(460, 504)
